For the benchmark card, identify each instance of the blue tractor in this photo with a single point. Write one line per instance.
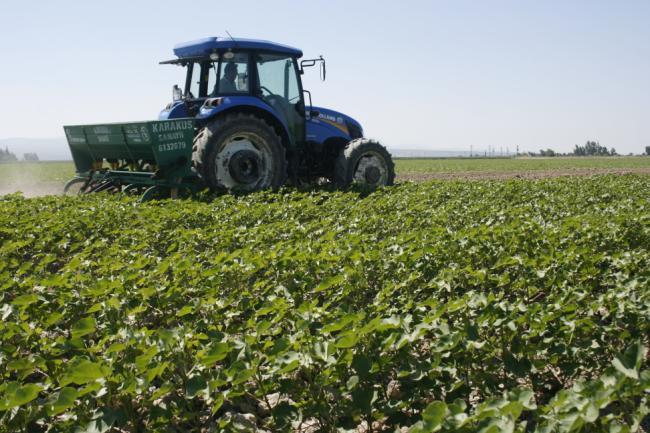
(254, 129)
(240, 123)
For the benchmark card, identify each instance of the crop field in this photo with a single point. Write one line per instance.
(506, 168)
(43, 178)
(447, 165)
(493, 306)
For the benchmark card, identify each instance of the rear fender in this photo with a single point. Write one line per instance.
(248, 105)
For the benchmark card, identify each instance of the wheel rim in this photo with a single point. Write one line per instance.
(74, 186)
(244, 162)
(372, 169)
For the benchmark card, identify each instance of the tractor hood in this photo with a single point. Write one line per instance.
(340, 121)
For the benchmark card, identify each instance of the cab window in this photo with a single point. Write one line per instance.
(277, 78)
(229, 75)
(194, 80)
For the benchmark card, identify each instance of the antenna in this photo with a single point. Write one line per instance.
(228, 33)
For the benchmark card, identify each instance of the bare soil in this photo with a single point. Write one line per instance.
(530, 174)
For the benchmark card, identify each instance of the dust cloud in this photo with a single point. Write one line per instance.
(34, 179)
(31, 189)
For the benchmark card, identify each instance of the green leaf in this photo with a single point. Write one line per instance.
(339, 324)
(434, 414)
(630, 362)
(90, 388)
(25, 300)
(279, 346)
(195, 386)
(94, 426)
(216, 353)
(218, 402)
(61, 401)
(291, 366)
(347, 341)
(188, 309)
(156, 370)
(104, 420)
(523, 396)
(53, 318)
(17, 395)
(520, 367)
(115, 348)
(361, 365)
(324, 351)
(83, 327)
(329, 282)
(82, 371)
(362, 398)
(20, 364)
(142, 361)
(352, 382)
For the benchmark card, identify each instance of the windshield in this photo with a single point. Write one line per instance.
(226, 76)
(277, 76)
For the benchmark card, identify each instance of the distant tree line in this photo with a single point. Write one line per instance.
(593, 148)
(6, 156)
(590, 148)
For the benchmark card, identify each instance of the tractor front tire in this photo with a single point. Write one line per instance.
(239, 153)
(364, 163)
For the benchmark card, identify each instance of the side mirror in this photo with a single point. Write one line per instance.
(177, 93)
(312, 62)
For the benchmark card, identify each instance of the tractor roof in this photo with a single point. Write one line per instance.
(206, 46)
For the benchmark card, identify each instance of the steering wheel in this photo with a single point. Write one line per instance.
(268, 91)
(273, 99)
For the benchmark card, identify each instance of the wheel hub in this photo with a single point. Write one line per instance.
(371, 170)
(244, 166)
(241, 164)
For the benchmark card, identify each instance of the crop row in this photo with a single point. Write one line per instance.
(445, 306)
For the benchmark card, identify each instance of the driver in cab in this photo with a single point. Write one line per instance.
(227, 82)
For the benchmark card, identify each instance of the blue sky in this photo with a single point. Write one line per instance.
(416, 74)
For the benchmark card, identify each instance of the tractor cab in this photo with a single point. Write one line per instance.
(228, 73)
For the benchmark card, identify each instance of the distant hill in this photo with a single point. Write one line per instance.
(47, 149)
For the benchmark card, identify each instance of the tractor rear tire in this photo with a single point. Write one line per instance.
(239, 153)
(364, 163)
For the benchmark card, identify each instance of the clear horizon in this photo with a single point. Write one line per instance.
(433, 75)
